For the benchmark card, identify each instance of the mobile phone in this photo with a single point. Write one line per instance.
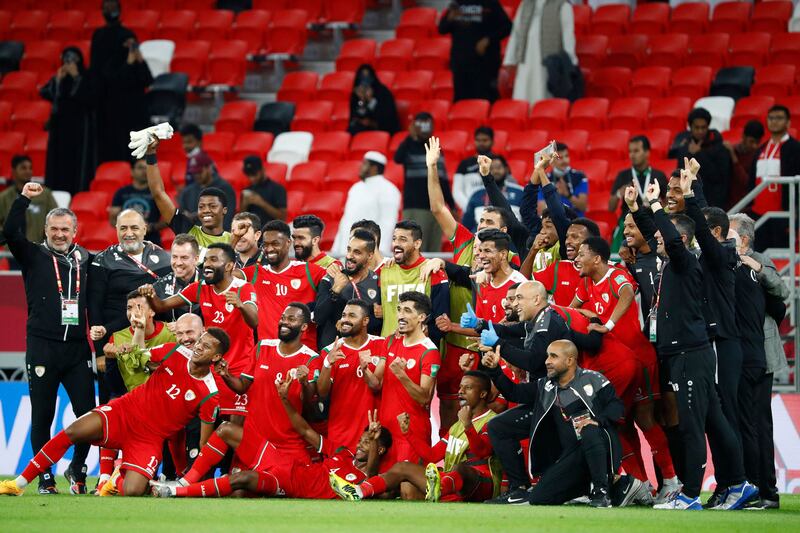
(547, 150)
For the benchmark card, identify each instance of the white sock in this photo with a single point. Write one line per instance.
(21, 482)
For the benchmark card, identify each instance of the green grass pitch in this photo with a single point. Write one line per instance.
(64, 512)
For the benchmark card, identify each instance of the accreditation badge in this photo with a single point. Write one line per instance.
(69, 313)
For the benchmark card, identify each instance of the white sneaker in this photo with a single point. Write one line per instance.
(681, 503)
(670, 488)
(163, 489)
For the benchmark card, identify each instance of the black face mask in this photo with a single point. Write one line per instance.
(111, 16)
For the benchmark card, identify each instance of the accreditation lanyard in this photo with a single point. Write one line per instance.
(69, 306)
(647, 174)
(654, 310)
(142, 266)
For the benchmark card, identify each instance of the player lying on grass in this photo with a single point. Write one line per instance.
(471, 472)
(279, 475)
(138, 423)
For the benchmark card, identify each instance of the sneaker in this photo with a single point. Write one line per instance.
(160, 489)
(580, 500)
(109, 488)
(344, 489)
(100, 482)
(738, 496)
(9, 488)
(47, 483)
(771, 504)
(599, 498)
(669, 489)
(717, 498)
(433, 486)
(681, 502)
(517, 496)
(629, 491)
(76, 480)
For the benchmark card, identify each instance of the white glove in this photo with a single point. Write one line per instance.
(140, 140)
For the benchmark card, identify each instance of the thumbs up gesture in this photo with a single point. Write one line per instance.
(489, 336)
(469, 319)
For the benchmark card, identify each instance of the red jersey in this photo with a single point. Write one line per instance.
(266, 415)
(296, 283)
(579, 323)
(218, 313)
(561, 279)
(489, 301)
(464, 244)
(312, 481)
(351, 398)
(166, 402)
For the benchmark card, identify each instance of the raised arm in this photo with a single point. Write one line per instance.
(642, 217)
(162, 306)
(15, 224)
(155, 182)
(679, 256)
(439, 207)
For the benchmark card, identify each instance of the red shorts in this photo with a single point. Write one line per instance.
(256, 453)
(448, 380)
(482, 491)
(624, 373)
(648, 388)
(141, 450)
(230, 403)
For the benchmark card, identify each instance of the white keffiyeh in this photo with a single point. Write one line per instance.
(140, 140)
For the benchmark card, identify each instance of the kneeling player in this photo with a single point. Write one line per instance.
(471, 472)
(139, 422)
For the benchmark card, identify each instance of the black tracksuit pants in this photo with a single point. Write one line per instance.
(758, 447)
(506, 430)
(729, 373)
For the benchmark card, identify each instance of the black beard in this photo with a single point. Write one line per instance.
(293, 334)
(304, 255)
(352, 272)
(345, 334)
(277, 262)
(218, 276)
(512, 317)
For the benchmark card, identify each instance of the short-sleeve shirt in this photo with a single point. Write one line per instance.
(489, 298)
(398, 279)
(129, 197)
(183, 224)
(271, 192)
(561, 279)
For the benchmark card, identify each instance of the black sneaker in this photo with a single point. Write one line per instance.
(76, 480)
(770, 503)
(718, 498)
(599, 498)
(517, 496)
(47, 483)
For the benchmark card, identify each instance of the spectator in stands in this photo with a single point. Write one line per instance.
(122, 76)
(264, 197)
(480, 199)
(640, 174)
(373, 197)
(192, 139)
(571, 184)
(137, 196)
(743, 155)
(40, 205)
(71, 146)
(201, 169)
(542, 28)
(416, 205)
(477, 27)
(372, 104)
(705, 145)
(466, 179)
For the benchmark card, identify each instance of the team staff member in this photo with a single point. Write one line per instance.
(57, 352)
(183, 259)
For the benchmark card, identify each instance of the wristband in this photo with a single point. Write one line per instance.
(151, 159)
(326, 363)
(609, 325)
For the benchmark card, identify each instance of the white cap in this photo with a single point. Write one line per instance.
(375, 157)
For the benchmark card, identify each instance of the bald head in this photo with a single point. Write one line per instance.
(531, 298)
(562, 360)
(131, 229)
(188, 329)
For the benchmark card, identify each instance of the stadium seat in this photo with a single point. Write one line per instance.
(36, 148)
(650, 19)
(41, 56)
(340, 117)
(219, 145)
(250, 27)
(721, 109)
(275, 117)
(166, 99)
(733, 81)
(468, 114)
(6, 109)
(549, 114)
(748, 49)
(144, 23)
(690, 18)
(692, 82)
(609, 82)
(442, 88)
(277, 172)
(98, 235)
(313, 116)
(660, 140)
(94, 20)
(785, 49)
(412, 85)
(710, 49)
(298, 87)
(330, 146)
(730, 17)
(172, 149)
(751, 108)
(669, 113)
(191, 57)
(395, 55)
(366, 141)
(668, 50)
(236, 117)
(11, 53)
(66, 25)
(606, 221)
(626, 51)
(588, 114)
(28, 25)
(591, 50)
(336, 86)
(355, 53)
(30, 116)
(596, 171)
(294, 203)
(628, 113)
(308, 178)
(394, 173)
(582, 15)
(398, 138)
(611, 19)
(342, 175)
(417, 23)
(314, 9)
(212, 24)
(439, 110)
(91, 206)
(252, 143)
(454, 144)
(774, 80)
(386, 77)
(232, 172)
(576, 141)
(176, 24)
(291, 148)
(287, 34)
(524, 144)
(227, 64)
(509, 115)
(609, 144)
(771, 17)
(18, 87)
(792, 103)
(328, 206)
(432, 54)
(344, 13)
(11, 144)
(651, 82)
(111, 175)
(158, 55)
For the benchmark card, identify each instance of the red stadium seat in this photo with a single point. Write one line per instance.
(692, 82)
(576, 141)
(143, 22)
(626, 51)
(6, 109)
(328, 206)
(94, 20)
(395, 55)
(330, 146)
(287, 33)
(98, 235)
(18, 86)
(690, 18)
(345, 11)
(250, 27)
(432, 54)
(312, 116)
(591, 50)
(336, 86)
(710, 50)
(660, 140)
(368, 140)
(668, 50)
(355, 53)
(609, 144)
(227, 63)
(611, 19)
(412, 85)
(397, 139)
(236, 117)
(294, 203)
(66, 25)
(213, 24)
(232, 172)
(30, 116)
(417, 23)
(651, 82)
(115, 174)
(606, 221)
(774, 80)
(394, 173)
(442, 88)
(509, 115)
(748, 49)
(596, 171)
(628, 113)
(36, 148)
(41, 56)
(669, 113)
(340, 117)
(298, 87)
(454, 143)
(176, 24)
(439, 110)
(386, 77)
(252, 143)
(308, 177)
(751, 108)
(549, 114)
(523, 145)
(277, 172)
(785, 49)
(650, 19)
(582, 15)
(792, 103)
(191, 57)
(588, 114)
(609, 82)
(468, 114)
(90, 206)
(219, 145)
(730, 17)
(342, 175)
(11, 144)
(28, 25)
(771, 17)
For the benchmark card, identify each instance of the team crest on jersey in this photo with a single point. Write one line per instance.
(189, 396)
(350, 477)
(375, 360)
(411, 363)
(295, 283)
(154, 259)
(39, 370)
(588, 389)
(620, 279)
(605, 297)
(106, 408)
(372, 293)
(229, 308)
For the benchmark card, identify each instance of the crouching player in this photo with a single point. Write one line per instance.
(138, 423)
(471, 473)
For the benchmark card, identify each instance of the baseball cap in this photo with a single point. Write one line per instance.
(375, 157)
(198, 162)
(252, 164)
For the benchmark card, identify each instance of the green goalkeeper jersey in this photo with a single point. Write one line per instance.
(132, 366)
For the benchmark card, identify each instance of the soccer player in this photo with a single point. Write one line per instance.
(347, 377)
(245, 237)
(226, 302)
(138, 423)
(282, 281)
(306, 237)
(471, 473)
